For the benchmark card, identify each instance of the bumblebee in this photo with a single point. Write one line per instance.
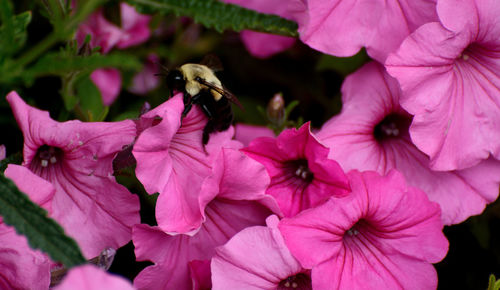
(201, 87)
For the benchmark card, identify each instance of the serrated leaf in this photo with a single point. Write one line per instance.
(31, 221)
(15, 158)
(219, 16)
(62, 64)
(90, 100)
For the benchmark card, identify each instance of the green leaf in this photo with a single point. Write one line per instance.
(219, 16)
(493, 284)
(91, 105)
(15, 158)
(61, 64)
(342, 65)
(31, 221)
(13, 33)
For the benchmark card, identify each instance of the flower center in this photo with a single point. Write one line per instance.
(301, 170)
(392, 126)
(300, 281)
(46, 156)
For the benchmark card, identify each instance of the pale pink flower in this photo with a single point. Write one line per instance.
(228, 202)
(450, 76)
(172, 161)
(76, 158)
(269, 266)
(342, 27)
(371, 133)
(90, 277)
(146, 80)
(247, 133)
(135, 27)
(109, 83)
(259, 44)
(384, 235)
(302, 176)
(21, 267)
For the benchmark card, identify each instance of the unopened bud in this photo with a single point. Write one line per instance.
(276, 109)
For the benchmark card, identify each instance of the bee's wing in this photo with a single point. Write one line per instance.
(227, 94)
(213, 62)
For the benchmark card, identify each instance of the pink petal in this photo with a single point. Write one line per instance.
(247, 133)
(39, 190)
(269, 264)
(20, 266)
(457, 63)
(146, 80)
(172, 254)
(383, 228)
(301, 174)
(86, 192)
(264, 45)
(200, 274)
(3, 152)
(135, 27)
(171, 160)
(102, 32)
(109, 83)
(350, 134)
(356, 24)
(89, 277)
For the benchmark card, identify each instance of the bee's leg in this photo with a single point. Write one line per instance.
(188, 104)
(195, 100)
(209, 128)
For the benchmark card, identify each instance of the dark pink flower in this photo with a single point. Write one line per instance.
(269, 266)
(342, 27)
(228, 202)
(109, 83)
(450, 76)
(371, 133)
(76, 158)
(259, 44)
(247, 133)
(172, 161)
(146, 80)
(89, 277)
(20, 266)
(201, 275)
(302, 176)
(384, 235)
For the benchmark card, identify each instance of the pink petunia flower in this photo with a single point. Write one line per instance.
(371, 133)
(172, 161)
(76, 158)
(259, 44)
(450, 76)
(145, 80)
(135, 29)
(20, 266)
(109, 83)
(228, 202)
(380, 26)
(89, 277)
(302, 176)
(200, 274)
(384, 235)
(269, 266)
(247, 133)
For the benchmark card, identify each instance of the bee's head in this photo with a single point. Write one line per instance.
(176, 81)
